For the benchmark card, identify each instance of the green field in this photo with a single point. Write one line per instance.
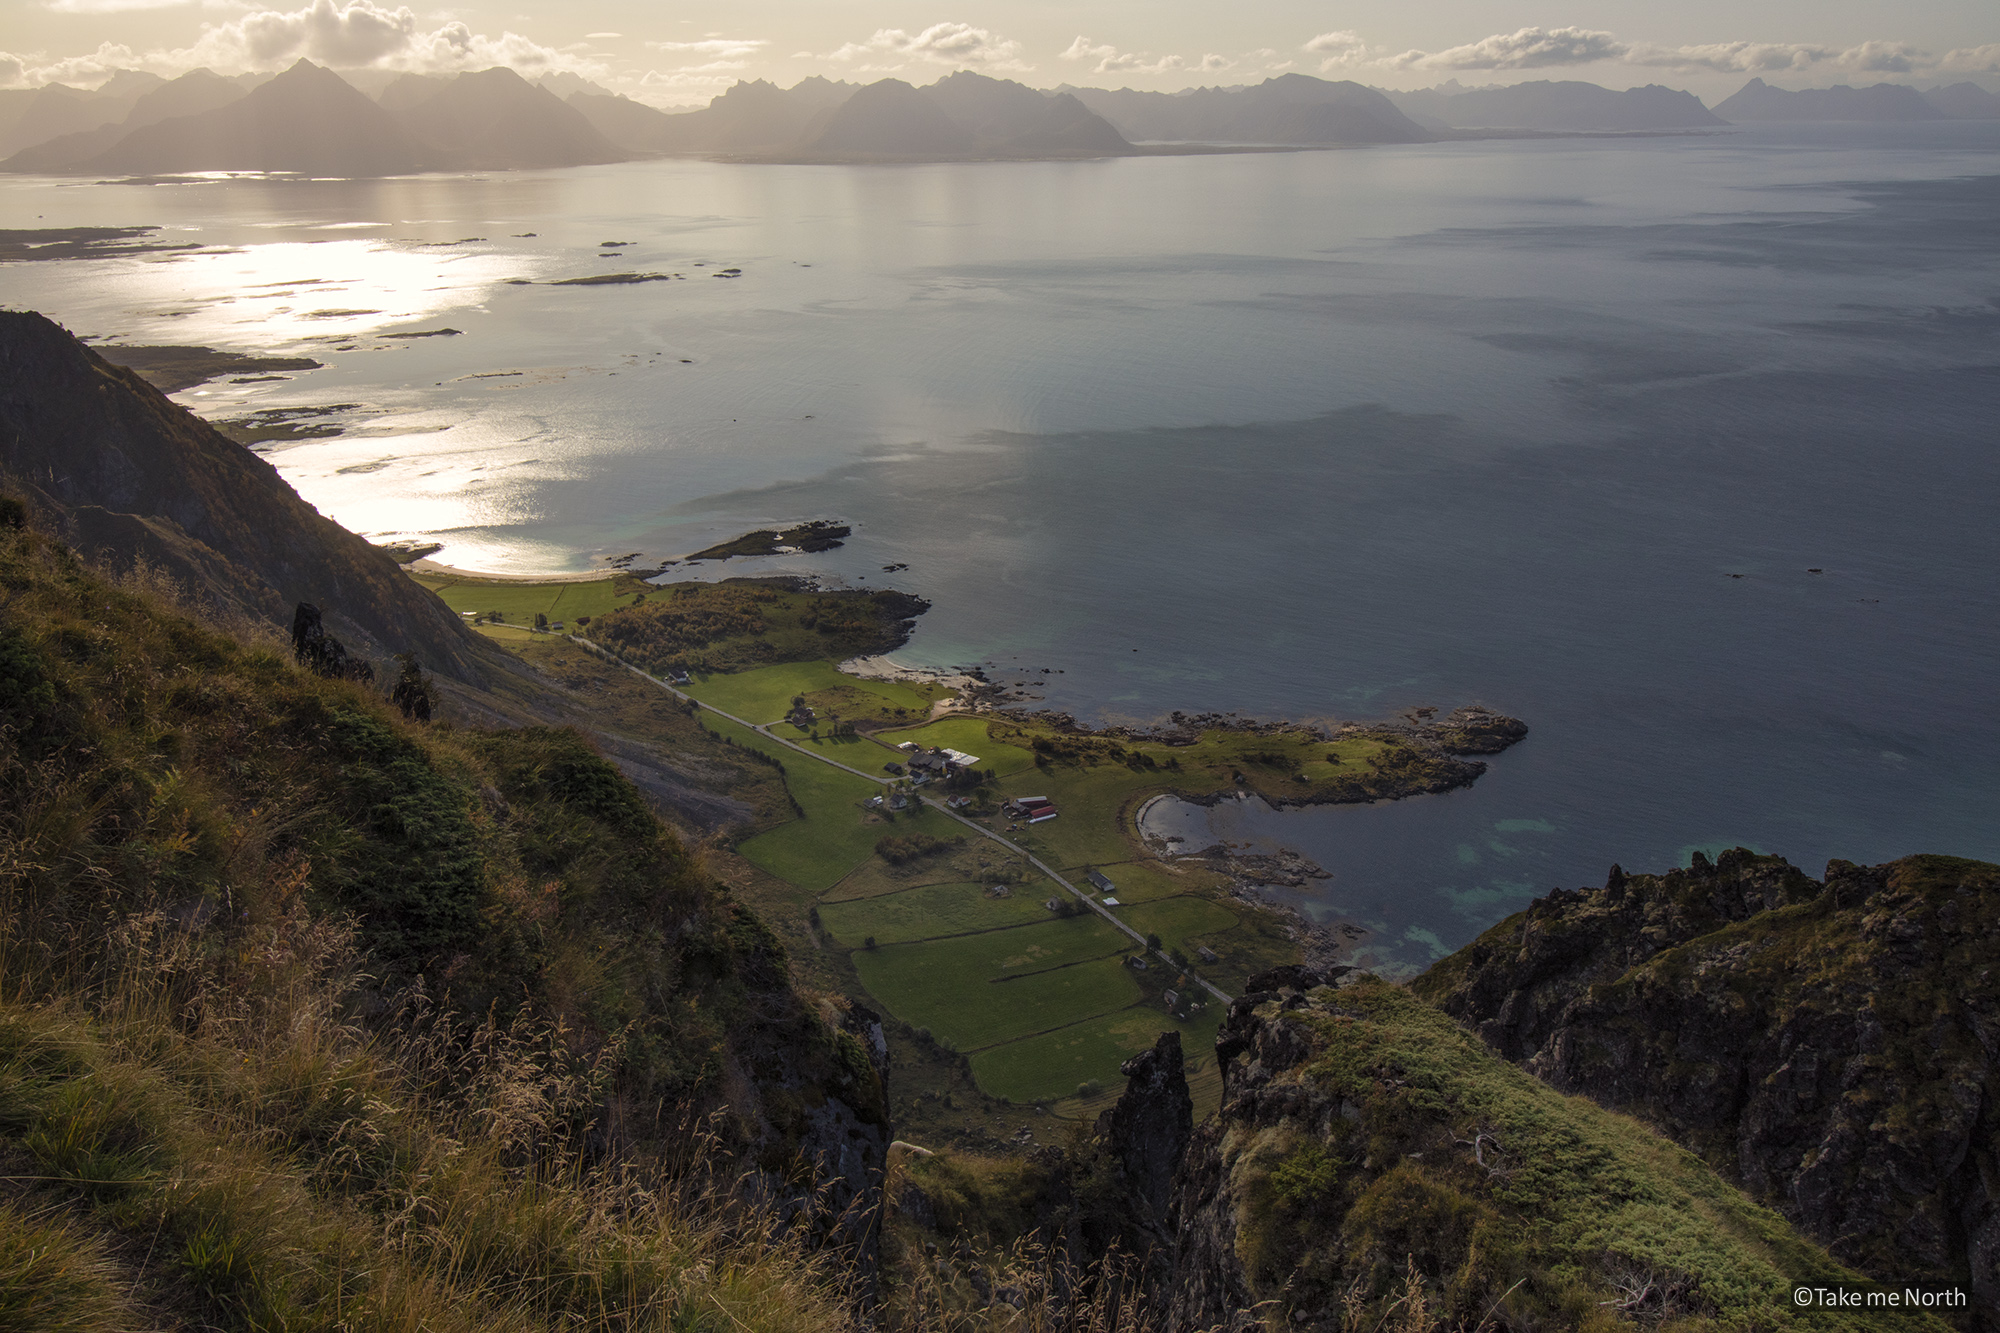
(934, 984)
(1176, 920)
(1051, 1065)
(765, 694)
(832, 838)
(933, 911)
(969, 734)
(518, 602)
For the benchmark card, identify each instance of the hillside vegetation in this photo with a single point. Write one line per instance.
(311, 1017)
(1375, 1165)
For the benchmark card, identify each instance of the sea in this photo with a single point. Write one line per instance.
(1684, 450)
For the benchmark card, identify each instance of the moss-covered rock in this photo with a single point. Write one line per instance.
(1375, 1165)
(1832, 1046)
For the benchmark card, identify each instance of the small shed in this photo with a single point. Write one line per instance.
(1099, 882)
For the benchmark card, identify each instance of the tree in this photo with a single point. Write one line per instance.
(1152, 940)
(868, 943)
(541, 621)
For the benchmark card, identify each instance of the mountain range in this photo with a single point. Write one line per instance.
(1567, 105)
(1759, 101)
(312, 120)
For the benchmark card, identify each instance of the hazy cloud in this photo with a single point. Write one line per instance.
(1110, 60)
(1338, 49)
(33, 68)
(112, 6)
(1972, 60)
(1874, 57)
(716, 48)
(358, 34)
(1526, 48)
(942, 43)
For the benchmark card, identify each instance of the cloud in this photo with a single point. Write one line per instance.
(358, 34)
(1526, 48)
(716, 48)
(602, 36)
(1110, 60)
(1872, 57)
(111, 6)
(32, 69)
(942, 43)
(1972, 60)
(1212, 62)
(1338, 49)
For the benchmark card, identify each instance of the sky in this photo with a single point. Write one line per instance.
(677, 54)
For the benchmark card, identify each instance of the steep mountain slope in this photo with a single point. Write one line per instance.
(1373, 1165)
(990, 108)
(889, 118)
(1065, 127)
(747, 116)
(1964, 101)
(1834, 1046)
(33, 116)
(1292, 109)
(497, 120)
(290, 980)
(1758, 100)
(307, 119)
(191, 94)
(1543, 104)
(126, 469)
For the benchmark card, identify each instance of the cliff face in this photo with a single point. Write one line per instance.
(1373, 1161)
(126, 469)
(1834, 1047)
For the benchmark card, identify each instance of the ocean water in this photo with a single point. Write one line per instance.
(1562, 427)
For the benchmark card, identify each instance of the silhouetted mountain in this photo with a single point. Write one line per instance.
(29, 117)
(633, 126)
(307, 119)
(1758, 100)
(407, 90)
(191, 94)
(1065, 127)
(1565, 105)
(990, 108)
(566, 85)
(889, 118)
(745, 117)
(1292, 109)
(495, 119)
(1964, 101)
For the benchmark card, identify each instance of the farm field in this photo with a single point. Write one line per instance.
(833, 836)
(970, 1008)
(1055, 1065)
(765, 694)
(970, 735)
(932, 912)
(518, 603)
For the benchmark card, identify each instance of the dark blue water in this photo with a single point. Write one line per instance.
(1303, 435)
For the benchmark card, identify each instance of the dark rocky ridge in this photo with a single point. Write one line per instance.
(1834, 1046)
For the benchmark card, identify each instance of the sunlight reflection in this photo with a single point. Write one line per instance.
(329, 289)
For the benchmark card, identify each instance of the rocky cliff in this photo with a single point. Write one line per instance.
(119, 467)
(1834, 1046)
(1373, 1165)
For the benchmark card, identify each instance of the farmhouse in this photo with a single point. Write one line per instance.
(1099, 882)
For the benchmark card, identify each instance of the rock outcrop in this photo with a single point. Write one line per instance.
(1832, 1046)
(1373, 1162)
(119, 467)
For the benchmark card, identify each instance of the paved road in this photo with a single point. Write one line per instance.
(1012, 846)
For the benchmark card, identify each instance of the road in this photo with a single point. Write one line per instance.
(765, 731)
